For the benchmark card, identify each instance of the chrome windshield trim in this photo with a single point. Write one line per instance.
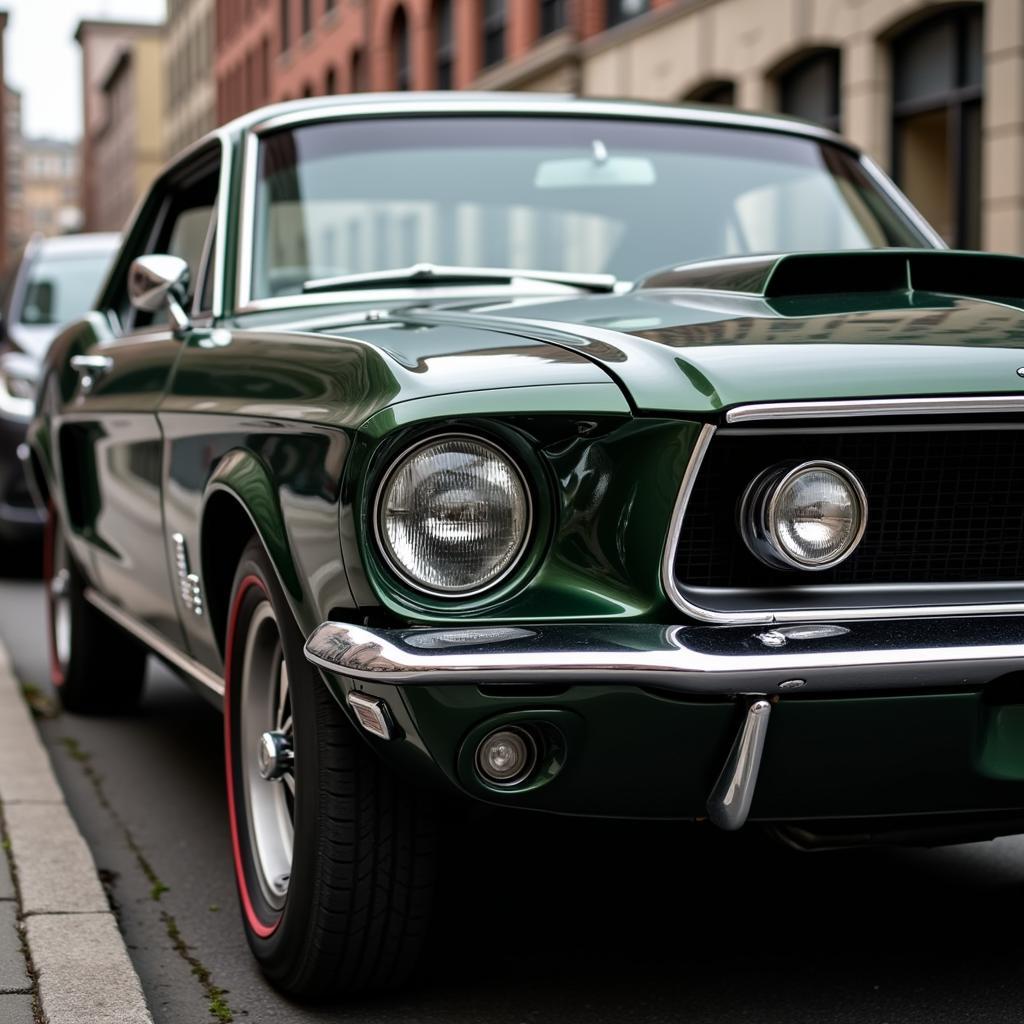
(901, 202)
(698, 660)
(955, 405)
(399, 105)
(209, 681)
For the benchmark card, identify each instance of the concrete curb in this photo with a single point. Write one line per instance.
(83, 974)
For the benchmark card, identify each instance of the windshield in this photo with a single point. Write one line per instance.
(579, 195)
(62, 288)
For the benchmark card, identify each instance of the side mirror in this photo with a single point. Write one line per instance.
(157, 282)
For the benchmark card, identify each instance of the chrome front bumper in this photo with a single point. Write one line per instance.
(818, 658)
(756, 666)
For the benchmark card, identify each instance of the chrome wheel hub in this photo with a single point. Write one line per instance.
(267, 758)
(275, 756)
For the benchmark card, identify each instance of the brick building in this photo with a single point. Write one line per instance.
(122, 147)
(934, 90)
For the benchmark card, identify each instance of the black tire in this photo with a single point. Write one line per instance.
(96, 667)
(354, 912)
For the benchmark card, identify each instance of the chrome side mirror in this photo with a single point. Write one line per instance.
(157, 282)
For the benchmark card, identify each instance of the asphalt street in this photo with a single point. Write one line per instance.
(541, 919)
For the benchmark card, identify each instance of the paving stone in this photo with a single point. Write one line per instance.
(16, 1009)
(84, 972)
(6, 881)
(55, 869)
(25, 772)
(13, 976)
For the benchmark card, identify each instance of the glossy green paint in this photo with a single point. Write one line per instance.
(297, 413)
(637, 753)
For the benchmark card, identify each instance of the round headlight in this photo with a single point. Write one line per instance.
(453, 516)
(809, 517)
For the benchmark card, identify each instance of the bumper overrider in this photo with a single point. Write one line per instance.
(756, 668)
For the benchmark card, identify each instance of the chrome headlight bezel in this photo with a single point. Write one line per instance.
(393, 563)
(759, 515)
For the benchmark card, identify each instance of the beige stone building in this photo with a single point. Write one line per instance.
(123, 118)
(49, 184)
(191, 92)
(932, 90)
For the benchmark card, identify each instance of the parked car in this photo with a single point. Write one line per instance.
(393, 434)
(54, 280)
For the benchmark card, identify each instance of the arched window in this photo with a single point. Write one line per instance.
(444, 44)
(330, 82)
(357, 71)
(721, 92)
(494, 31)
(622, 10)
(810, 88)
(307, 17)
(400, 70)
(553, 16)
(936, 104)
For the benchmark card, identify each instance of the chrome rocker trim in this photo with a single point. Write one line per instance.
(208, 682)
(878, 656)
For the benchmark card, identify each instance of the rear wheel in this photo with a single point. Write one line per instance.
(95, 666)
(334, 857)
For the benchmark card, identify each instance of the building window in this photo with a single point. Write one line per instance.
(553, 16)
(357, 72)
(307, 17)
(720, 92)
(285, 26)
(444, 44)
(810, 89)
(400, 70)
(329, 5)
(622, 10)
(494, 31)
(937, 95)
(330, 82)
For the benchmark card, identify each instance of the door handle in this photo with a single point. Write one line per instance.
(94, 365)
(89, 369)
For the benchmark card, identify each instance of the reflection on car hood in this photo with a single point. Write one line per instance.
(692, 351)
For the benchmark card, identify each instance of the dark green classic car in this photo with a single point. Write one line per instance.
(583, 457)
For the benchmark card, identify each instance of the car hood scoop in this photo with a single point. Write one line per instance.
(797, 275)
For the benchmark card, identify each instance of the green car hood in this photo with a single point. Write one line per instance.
(703, 337)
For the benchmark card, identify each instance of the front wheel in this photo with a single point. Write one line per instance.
(334, 857)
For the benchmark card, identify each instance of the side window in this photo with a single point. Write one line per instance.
(183, 227)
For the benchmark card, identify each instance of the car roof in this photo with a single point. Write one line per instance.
(322, 107)
(96, 242)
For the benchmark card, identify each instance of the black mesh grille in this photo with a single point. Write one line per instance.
(945, 506)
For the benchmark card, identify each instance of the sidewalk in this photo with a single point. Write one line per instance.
(53, 909)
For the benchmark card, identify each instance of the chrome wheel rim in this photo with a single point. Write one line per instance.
(266, 709)
(60, 604)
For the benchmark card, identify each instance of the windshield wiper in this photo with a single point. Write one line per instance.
(435, 274)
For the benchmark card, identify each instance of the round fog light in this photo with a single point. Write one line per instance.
(506, 756)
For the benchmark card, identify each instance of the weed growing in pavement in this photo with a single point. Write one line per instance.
(219, 1007)
(38, 703)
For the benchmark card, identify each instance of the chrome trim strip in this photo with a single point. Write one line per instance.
(954, 405)
(157, 644)
(900, 201)
(399, 104)
(675, 532)
(728, 662)
(730, 800)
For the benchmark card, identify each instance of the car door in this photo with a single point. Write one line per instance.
(114, 430)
